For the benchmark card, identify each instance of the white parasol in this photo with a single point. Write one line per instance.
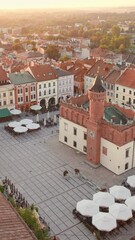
(15, 112)
(120, 211)
(120, 192)
(104, 221)
(103, 199)
(36, 107)
(33, 126)
(87, 207)
(20, 129)
(26, 121)
(130, 202)
(131, 181)
(14, 124)
(37, 118)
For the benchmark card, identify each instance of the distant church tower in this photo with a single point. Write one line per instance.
(96, 95)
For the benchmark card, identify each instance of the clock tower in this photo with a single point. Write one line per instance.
(96, 95)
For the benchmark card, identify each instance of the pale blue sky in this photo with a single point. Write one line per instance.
(13, 4)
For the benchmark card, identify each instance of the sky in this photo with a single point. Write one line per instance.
(24, 4)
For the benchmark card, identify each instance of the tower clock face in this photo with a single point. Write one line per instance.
(91, 134)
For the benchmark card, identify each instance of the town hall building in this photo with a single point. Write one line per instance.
(103, 131)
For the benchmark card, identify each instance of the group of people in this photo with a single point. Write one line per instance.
(66, 174)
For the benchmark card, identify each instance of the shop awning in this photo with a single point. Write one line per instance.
(5, 113)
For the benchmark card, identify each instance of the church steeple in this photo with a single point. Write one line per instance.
(97, 86)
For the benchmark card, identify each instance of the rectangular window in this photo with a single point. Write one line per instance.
(84, 149)
(53, 83)
(26, 89)
(117, 88)
(130, 92)
(65, 126)
(45, 85)
(123, 89)
(39, 94)
(0, 104)
(116, 95)
(39, 86)
(134, 101)
(85, 136)
(49, 84)
(127, 153)
(45, 92)
(11, 101)
(126, 166)
(49, 91)
(123, 97)
(54, 90)
(4, 94)
(74, 143)
(65, 139)
(104, 151)
(75, 131)
(11, 94)
(111, 87)
(4, 103)
(27, 99)
(19, 91)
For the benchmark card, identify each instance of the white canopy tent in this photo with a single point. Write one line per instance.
(26, 121)
(14, 124)
(104, 221)
(120, 192)
(36, 107)
(131, 181)
(20, 129)
(87, 207)
(130, 202)
(120, 211)
(15, 111)
(103, 199)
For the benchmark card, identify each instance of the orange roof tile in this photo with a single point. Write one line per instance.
(43, 72)
(11, 225)
(127, 79)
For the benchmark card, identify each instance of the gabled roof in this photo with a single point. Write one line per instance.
(21, 78)
(112, 76)
(60, 72)
(97, 87)
(11, 225)
(127, 79)
(43, 72)
(101, 68)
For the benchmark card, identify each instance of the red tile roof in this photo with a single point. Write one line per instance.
(12, 226)
(3, 75)
(127, 79)
(101, 68)
(43, 72)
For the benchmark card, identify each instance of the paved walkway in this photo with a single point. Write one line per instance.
(35, 163)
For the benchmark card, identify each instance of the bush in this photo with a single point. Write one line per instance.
(1, 189)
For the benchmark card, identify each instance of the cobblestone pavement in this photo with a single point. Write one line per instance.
(35, 163)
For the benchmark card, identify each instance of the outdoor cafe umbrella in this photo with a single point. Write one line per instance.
(120, 192)
(33, 126)
(87, 207)
(15, 112)
(120, 211)
(26, 121)
(130, 202)
(36, 107)
(14, 124)
(20, 129)
(103, 199)
(104, 221)
(131, 181)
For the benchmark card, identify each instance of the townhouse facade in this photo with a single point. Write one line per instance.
(25, 90)
(7, 99)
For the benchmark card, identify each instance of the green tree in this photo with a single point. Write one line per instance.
(115, 30)
(52, 52)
